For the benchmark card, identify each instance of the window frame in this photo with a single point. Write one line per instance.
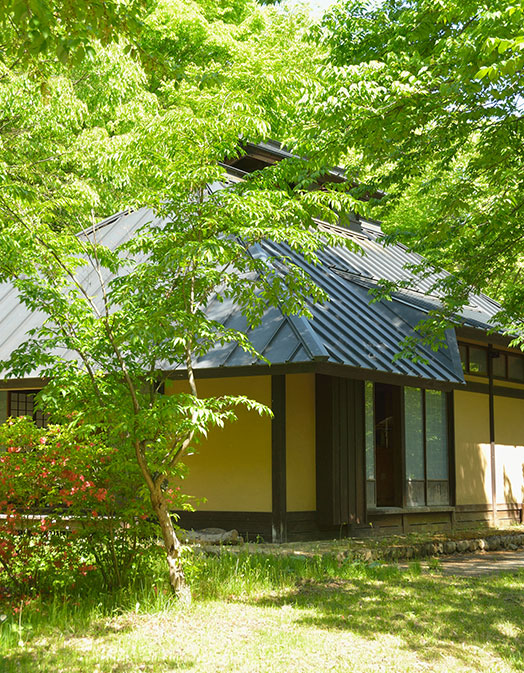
(428, 480)
(466, 364)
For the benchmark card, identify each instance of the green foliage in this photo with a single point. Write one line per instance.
(245, 574)
(55, 132)
(81, 140)
(406, 621)
(63, 28)
(423, 100)
(74, 507)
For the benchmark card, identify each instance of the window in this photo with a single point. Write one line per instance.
(21, 403)
(515, 367)
(478, 360)
(415, 450)
(507, 366)
(463, 350)
(436, 435)
(370, 445)
(3, 405)
(474, 359)
(499, 365)
(407, 452)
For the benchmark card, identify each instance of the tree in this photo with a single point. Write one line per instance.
(148, 312)
(74, 135)
(64, 29)
(423, 100)
(150, 316)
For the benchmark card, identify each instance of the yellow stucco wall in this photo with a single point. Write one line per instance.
(300, 442)
(232, 468)
(472, 448)
(509, 449)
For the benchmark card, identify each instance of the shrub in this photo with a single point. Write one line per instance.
(72, 507)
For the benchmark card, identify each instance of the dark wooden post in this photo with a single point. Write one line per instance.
(341, 499)
(278, 459)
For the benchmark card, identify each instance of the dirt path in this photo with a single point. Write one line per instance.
(482, 563)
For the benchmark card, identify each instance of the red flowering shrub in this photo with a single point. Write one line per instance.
(70, 507)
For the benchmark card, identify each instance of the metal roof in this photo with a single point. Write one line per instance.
(16, 320)
(347, 330)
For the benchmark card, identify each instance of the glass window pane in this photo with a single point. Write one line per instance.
(371, 495)
(499, 366)
(478, 360)
(463, 350)
(3, 405)
(370, 433)
(23, 404)
(436, 435)
(414, 433)
(415, 493)
(516, 367)
(40, 419)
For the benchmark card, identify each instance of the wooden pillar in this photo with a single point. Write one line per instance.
(278, 459)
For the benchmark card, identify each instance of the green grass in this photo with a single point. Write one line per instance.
(276, 614)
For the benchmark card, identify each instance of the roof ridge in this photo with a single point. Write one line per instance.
(87, 231)
(305, 332)
(300, 325)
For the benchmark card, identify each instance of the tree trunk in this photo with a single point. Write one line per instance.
(173, 548)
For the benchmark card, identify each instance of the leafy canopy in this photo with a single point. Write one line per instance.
(423, 100)
(63, 28)
(83, 139)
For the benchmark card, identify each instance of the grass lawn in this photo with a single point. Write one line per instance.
(272, 615)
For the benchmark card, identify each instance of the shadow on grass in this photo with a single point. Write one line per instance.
(68, 659)
(433, 615)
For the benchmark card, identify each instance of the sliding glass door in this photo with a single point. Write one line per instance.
(407, 448)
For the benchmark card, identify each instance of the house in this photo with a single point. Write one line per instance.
(361, 441)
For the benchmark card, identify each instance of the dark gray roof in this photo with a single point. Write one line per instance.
(347, 330)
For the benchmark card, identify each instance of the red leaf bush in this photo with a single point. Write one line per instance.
(71, 508)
